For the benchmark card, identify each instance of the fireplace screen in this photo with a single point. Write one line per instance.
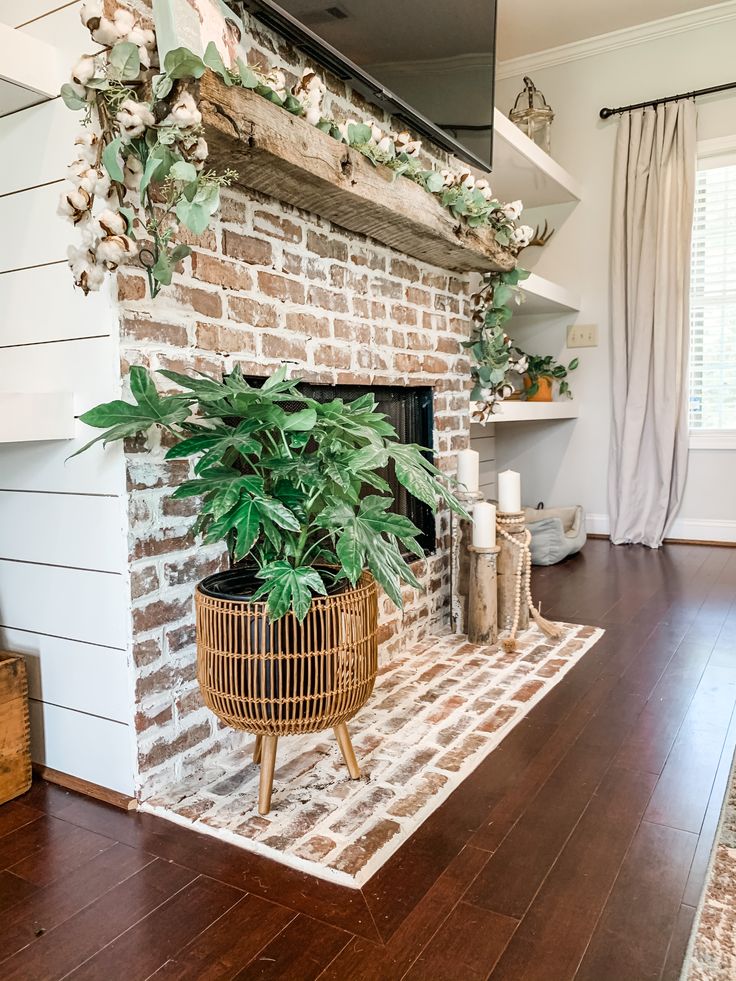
(410, 412)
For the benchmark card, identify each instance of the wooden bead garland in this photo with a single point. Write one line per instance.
(516, 604)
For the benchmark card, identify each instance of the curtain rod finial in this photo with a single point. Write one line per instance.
(605, 113)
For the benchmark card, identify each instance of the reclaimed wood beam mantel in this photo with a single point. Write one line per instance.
(281, 155)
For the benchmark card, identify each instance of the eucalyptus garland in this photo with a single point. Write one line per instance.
(493, 352)
(141, 169)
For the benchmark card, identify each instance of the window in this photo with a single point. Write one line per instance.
(713, 297)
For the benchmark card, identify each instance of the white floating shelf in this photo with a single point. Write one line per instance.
(513, 410)
(31, 71)
(31, 416)
(543, 296)
(522, 170)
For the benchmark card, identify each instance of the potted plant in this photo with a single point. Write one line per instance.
(540, 375)
(286, 637)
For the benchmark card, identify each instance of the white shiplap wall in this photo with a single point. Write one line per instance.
(64, 597)
(483, 439)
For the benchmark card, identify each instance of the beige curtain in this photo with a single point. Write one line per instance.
(653, 197)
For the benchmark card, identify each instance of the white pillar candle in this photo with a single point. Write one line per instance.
(509, 492)
(468, 470)
(484, 525)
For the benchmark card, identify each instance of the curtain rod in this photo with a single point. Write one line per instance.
(606, 113)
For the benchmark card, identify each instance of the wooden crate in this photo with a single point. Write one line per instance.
(15, 742)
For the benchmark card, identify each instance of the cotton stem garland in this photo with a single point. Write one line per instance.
(140, 172)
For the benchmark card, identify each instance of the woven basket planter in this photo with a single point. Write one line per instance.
(285, 678)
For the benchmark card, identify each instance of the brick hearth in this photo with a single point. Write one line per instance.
(437, 711)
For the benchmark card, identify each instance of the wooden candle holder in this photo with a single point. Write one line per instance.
(483, 595)
(512, 578)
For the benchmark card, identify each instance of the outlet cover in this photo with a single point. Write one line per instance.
(582, 335)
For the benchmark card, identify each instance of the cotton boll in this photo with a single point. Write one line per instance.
(106, 33)
(449, 178)
(124, 23)
(113, 249)
(83, 71)
(522, 236)
(74, 204)
(200, 149)
(313, 115)
(485, 189)
(132, 173)
(467, 181)
(386, 144)
(376, 133)
(184, 112)
(513, 210)
(86, 143)
(413, 148)
(111, 222)
(90, 12)
(134, 117)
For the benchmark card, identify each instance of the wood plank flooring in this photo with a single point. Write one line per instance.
(577, 850)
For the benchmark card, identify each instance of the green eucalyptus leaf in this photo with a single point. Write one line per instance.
(71, 99)
(196, 214)
(358, 133)
(125, 61)
(247, 77)
(212, 59)
(434, 182)
(184, 171)
(161, 86)
(183, 63)
(111, 159)
(160, 161)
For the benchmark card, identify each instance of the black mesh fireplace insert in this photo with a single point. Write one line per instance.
(410, 412)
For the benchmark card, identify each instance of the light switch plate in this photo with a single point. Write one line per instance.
(582, 335)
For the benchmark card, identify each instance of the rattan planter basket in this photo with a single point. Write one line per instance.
(284, 678)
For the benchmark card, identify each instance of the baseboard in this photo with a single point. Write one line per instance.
(684, 531)
(85, 787)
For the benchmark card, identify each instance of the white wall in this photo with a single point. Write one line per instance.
(64, 596)
(567, 462)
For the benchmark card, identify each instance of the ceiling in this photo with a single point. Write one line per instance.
(525, 26)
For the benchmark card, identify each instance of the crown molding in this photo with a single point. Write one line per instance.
(614, 40)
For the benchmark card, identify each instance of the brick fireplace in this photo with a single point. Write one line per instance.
(271, 284)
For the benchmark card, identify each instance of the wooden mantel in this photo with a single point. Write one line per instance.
(283, 156)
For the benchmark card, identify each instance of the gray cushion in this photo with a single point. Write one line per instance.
(556, 533)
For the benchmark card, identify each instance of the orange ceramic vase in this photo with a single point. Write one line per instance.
(543, 393)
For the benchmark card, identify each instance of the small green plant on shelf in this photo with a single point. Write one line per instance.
(540, 369)
(291, 485)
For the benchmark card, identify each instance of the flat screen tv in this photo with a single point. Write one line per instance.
(431, 63)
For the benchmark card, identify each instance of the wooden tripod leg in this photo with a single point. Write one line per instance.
(257, 749)
(268, 763)
(346, 748)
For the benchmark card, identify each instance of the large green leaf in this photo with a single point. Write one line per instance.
(247, 524)
(287, 588)
(150, 409)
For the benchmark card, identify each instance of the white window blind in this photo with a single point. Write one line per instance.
(713, 298)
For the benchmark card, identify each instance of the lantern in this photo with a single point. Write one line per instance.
(532, 114)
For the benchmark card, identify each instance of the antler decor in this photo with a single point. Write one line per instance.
(540, 238)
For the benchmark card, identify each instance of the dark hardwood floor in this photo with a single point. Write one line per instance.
(578, 849)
